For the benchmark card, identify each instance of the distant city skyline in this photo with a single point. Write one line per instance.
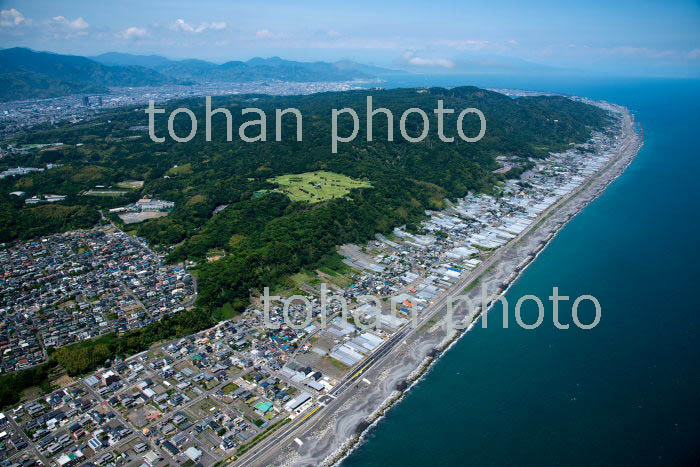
(623, 38)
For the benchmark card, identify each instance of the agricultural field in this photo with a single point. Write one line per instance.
(315, 187)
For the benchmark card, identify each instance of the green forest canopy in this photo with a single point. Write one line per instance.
(265, 235)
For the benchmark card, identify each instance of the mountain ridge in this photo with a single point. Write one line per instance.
(256, 68)
(26, 73)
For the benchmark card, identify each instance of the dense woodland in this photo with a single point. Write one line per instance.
(264, 235)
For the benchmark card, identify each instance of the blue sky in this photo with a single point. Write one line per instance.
(620, 37)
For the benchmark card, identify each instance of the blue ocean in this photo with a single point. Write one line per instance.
(624, 393)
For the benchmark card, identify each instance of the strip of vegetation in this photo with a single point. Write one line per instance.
(430, 323)
(85, 356)
(82, 357)
(473, 284)
(246, 447)
(13, 384)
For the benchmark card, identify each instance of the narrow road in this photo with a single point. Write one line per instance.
(136, 433)
(26, 439)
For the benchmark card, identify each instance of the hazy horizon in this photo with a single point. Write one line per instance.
(624, 38)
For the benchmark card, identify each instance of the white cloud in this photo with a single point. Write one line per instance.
(76, 24)
(420, 61)
(411, 59)
(465, 44)
(133, 32)
(10, 18)
(181, 25)
(693, 54)
(217, 25)
(267, 34)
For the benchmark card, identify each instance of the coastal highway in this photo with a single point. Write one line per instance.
(269, 449)
(373, 358)
(327, 403)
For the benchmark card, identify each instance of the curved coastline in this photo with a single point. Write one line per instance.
(349, 446)
(334, 436)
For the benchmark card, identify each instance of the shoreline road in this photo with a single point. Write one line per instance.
(326, 426)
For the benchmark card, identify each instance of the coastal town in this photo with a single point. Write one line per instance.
(74, 286)
(17, 116)
(230, 392)
(350, 234)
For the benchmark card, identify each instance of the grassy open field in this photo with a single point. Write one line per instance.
(225, 312)
(335, 270)
(293, 284)
(316, 187)
(184, 169)
(131, 184)
(110, 193)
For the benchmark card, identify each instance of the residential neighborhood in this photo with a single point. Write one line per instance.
(69, 287)
(212, 396)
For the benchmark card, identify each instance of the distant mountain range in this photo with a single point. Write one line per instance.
(26, 74)
(255, 69)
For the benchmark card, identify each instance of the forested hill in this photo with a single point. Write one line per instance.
(262, 234)
(26, 74)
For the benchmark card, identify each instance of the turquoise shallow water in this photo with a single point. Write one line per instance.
(624, 393)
